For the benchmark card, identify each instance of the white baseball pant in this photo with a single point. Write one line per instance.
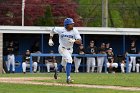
(25, 65)
(100, 63)
(66, 55)
(11, 61)
(49, 65)
(133, 61)
(90, 63)
(123, 66)
(77, 62)
(137, 68)
(113, 65)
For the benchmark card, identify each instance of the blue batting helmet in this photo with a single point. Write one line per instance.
(68, 21)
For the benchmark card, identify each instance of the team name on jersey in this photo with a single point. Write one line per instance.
(69, 36)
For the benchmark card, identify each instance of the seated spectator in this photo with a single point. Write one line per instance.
(26, 62)
(77, 60)
(123, 64)
(138, 63)
(50, 62)
(111, 65)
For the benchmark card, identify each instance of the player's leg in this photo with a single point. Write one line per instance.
(35, 67)
(102, 62)
(48, 67)
(115, 66)
(122, 67)
(137, 67)
(130, 67)
(134, 63)
(24, 67)
(55, 70)
(76, 64)
(98, 64)
(67, 56)
(13, 63)
(8, 63)
(92, 64)
(63, 64)
(108, 65)
(88, 65)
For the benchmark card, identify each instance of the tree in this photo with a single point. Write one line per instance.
(47, 19)
(35, 10)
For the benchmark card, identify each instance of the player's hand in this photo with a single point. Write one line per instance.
(50, 42)
(71, 40)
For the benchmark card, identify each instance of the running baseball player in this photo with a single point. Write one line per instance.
(67, 37)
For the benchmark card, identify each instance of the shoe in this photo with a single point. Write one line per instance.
(55, 74)
(8, 72)
(24, 72)
(13, 72)
(70, 81)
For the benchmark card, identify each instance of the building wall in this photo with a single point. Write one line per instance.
(1, 52)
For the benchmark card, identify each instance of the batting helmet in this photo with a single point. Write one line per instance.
(68, 21)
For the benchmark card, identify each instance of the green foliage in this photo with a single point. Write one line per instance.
(122, 13)
(47, 19)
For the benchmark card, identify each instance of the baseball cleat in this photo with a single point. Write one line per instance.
(55, 74)
(70, 81)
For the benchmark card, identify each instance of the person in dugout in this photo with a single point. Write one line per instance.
(26, 62)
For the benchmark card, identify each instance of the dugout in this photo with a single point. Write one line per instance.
(24, 37)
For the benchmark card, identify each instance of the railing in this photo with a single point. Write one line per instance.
(77, 55)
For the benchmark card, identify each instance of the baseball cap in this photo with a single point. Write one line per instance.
(91, 41)
(110, 48)
(81, 44)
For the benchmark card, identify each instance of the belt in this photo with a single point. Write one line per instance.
(66, 48)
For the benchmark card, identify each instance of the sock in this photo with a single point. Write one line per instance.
(68, 70)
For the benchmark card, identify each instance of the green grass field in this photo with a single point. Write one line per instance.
(117, 79)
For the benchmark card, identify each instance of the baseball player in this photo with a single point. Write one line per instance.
(11, 57)
(67, 37)
(92, 49)
(138, 63)
(50, 62)
(123, 64)
(26, 62)
(133, 50)
(77, 60)
(100, 60)
(111, 65)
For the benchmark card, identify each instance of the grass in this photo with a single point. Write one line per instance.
(20, 88)
(117, 79)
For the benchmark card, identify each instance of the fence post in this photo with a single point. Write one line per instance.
(127, 63)
(31, 63)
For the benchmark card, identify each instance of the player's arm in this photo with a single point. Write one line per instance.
(51, 37)
(78, 41)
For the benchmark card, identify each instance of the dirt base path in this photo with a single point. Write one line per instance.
(29, 80)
